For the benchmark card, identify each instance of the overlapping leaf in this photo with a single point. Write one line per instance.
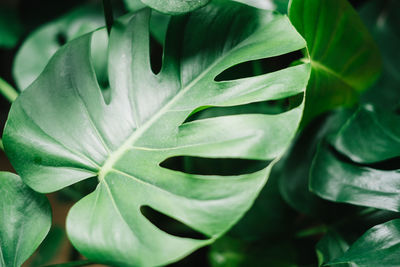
(25, 220)
(41, 45)
(344, 58)
(67, 132)
(379, 246)
(361, 167)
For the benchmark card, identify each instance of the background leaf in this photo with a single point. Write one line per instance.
(344, 58)
(41, 45)
(125, 140)
(25, 220)
(10, 28)
(379, 246)
(382, 19)
(355, 174)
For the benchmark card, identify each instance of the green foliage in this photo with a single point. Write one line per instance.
(344, 58)
(10, 28)
(162, 134)
(379, 246)
(123, 141)
(354, 163)
(41, 45)
(25, 220)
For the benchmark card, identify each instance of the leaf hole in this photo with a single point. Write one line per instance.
(170, 225)
(99, 57)
(392, 164)
(61, 38)
(270, 107)
(214, 166)
(156, 54)
(258, 67)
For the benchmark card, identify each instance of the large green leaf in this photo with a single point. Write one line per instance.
(355, 169)
(66, 132)
(344, 58)
(25, 220)
(379, 246)
(41, 45)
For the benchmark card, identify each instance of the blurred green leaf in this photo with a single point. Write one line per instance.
(331, 246)
(296, 165)
(341, 173)
(41, 45)
(382, 18)
(50, 247)
(10, 28)
(231, 252)
(344, 58)
(25, 220)
(379, 246)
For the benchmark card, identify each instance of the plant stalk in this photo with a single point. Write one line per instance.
(108, 15)
(8, 91)
(1, 144)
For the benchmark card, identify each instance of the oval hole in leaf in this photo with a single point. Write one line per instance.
(385, 165)
(61, 38)
(258, 67)
(156, 54)
(271, 107)
(214, 166)
(170, 225)
(99, 56)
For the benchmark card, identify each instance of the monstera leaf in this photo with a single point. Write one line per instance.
(41, 45)
(361, 161)
(344, 58)
(379, 246)
(172, 7)
(67, 132)
(25, 220)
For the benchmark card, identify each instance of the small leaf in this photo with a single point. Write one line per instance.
(344, 58)
(75, 134)
(379, 246)
(340, 172)
(25, 220)
(41, 45)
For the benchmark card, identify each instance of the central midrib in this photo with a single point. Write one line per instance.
(117, 154)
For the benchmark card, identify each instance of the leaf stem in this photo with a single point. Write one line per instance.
(1, 144)
(108, 14)
(72, 264)
(8, 91)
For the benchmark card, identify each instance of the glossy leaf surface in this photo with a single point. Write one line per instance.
(76, 135)
(379, 246)
(25, 220)
(348, 172)
(41, 45)
(345, 60)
